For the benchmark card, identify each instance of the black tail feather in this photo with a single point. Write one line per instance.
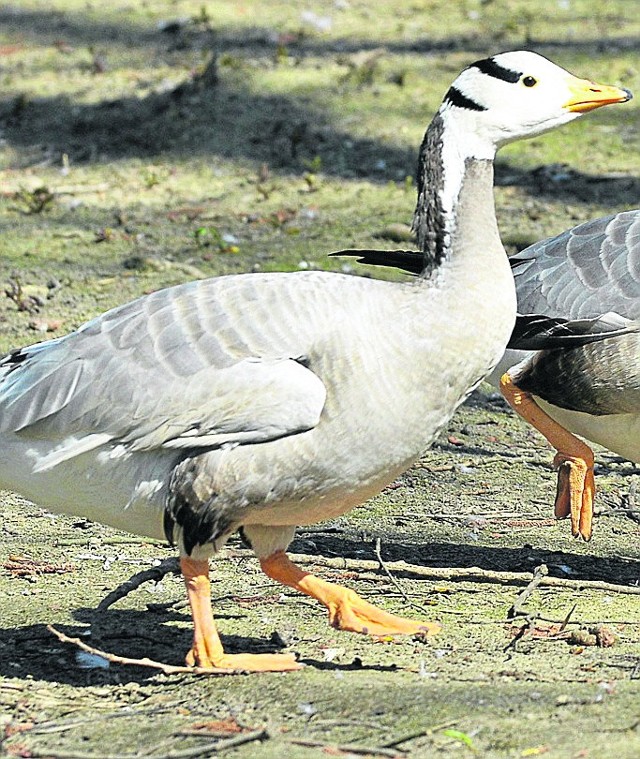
(411, 261)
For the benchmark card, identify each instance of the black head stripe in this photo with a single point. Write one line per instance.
(491, 68)
(455, 97)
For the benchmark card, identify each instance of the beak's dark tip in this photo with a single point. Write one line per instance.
(628, 93)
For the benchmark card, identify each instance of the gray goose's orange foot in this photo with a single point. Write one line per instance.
(574, 460)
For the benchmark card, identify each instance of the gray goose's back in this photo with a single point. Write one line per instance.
(591, 269)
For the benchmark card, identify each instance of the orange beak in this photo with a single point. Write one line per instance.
(586, 95)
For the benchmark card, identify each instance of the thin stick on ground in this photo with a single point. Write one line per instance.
(429, 731)
(167, 669)
(453, 574)
(395, 583)
(518, 636)
(222, 744)
(351, 748)
(470, 574)
(565, 621)
(517, 609)
(187, 753)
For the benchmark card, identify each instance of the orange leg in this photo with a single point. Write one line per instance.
(207, 649)
(347, 611)
(573, 461)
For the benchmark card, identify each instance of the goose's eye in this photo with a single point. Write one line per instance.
(529, 81)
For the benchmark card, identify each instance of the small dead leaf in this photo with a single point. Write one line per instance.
(45, 325)
(582, 638)
(10, 49)
(18, 749)
(226, 726)
(605, 638)
(13, 728)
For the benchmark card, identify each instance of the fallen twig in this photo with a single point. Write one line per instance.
(54, 726)
(349, 748)
(167, 669)
(25, 566)
(518, 636)
(460, 573)
(565, 621)
(421, 733)
(90, 540)
(628, 505)
(187, 753)
(466, 517)
(393, 580)
(517, 609)
(153, 574)
(426, 464)
(222, 744)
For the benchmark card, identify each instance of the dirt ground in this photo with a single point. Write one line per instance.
(476, 508)
(148, 145)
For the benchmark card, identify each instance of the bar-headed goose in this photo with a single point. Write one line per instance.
(264, 401)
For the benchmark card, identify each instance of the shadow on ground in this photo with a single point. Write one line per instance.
(524, 559)
(212, 114)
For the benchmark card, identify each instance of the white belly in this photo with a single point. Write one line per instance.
(619, 433)
(125, 491)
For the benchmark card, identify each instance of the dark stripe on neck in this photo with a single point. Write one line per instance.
(491, 68)
(455, 97)
(428, 219)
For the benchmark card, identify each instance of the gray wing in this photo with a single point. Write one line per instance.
(190, 366)
(539, 332)
(586, 271)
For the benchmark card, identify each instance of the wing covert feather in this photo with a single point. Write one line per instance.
(194, 365)
(589, 270)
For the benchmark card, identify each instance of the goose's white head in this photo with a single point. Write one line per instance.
(518, 94)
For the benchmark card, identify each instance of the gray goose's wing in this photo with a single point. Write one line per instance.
(185, 367)
(599, 378)
(584, 272)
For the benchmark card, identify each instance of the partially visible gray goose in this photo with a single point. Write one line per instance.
(582, 376)
(263, 401)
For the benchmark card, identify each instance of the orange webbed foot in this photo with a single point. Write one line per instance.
(575, 492)
(347, 610)
(207, 651)
(241, 662)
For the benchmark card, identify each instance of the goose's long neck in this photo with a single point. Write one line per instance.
(455, 196)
